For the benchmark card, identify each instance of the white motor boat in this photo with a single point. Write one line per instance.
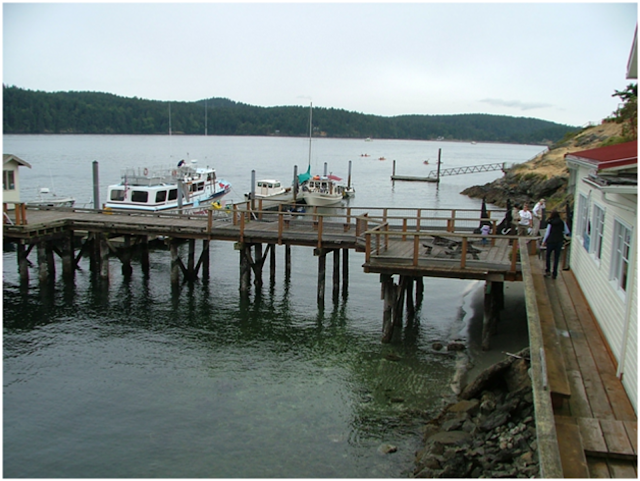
(271, 189)
(46, 198)
(321, 191)
(162, 188)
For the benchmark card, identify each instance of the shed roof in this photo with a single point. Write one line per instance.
(6, 158)
(617, 156)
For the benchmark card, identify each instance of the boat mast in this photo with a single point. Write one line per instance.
(310, 129)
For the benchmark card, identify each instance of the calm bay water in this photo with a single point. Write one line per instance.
(142, 380)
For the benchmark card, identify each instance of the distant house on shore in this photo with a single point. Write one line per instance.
(11, 178)
(604, 246)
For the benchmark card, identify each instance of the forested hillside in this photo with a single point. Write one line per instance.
(37, 112)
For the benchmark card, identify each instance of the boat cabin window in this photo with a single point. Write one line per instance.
(199, 186)
(173, 194)
(117, 195)
(141, 196)
(161, 196)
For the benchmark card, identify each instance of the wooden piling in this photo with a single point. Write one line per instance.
(336, 274)
(143, 249)
(43, 272)
(204, 257)
(191, 261)
(322, 267)
(287, 261)
(388, 296)
(125, 258)
(272, 263)
(175, 262)
(491, 307)
(104, 258)
(345, 272)
(23, 263)
(257, 265)
(68, 258)
(245, 267)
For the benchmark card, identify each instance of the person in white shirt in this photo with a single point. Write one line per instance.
(538, 211)
(525, 220)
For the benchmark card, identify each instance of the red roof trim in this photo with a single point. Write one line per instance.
(619, 155)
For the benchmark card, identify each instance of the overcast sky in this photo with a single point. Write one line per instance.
(554, 61)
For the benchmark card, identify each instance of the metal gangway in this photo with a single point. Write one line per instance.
(471, 169)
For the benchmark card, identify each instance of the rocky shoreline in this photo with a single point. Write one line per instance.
(546, 175)
(488, 432)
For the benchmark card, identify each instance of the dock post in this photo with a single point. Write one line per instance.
(175, 262)
(127, 270)
(322, 268)
(388, 295)
(398, 305)
(23, 263)
(43, 273)
(191, 261)
(411, 308)
(419, 290)
(143, 245)
(104, 258)
(489, 324)
(345, 273)
(287, 261)
(205, 258)
(257, 265)
(245, 267)
(272, 263)
(336, 274)
(68, 257)
(96, 185)
(94, 252)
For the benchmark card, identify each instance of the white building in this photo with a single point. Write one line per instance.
(604, 246)
(11, 178)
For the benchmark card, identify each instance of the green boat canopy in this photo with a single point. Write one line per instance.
(306, 176)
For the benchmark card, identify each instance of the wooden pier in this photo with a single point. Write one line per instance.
(585, 424)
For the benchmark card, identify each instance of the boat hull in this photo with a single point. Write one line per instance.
(321, 200)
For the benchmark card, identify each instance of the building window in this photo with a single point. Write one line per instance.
(584, 223)
(620, 255)
(8, 180)
(598, 231)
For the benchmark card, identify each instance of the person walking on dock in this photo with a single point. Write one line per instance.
(525, 221)
(553, 240)
(538, 212)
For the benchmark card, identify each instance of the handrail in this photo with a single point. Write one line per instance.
(417, 235)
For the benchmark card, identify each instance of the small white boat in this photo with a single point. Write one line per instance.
(162, 188)
(347, 191)
(321, 191)
(46, 198)
(271, 189)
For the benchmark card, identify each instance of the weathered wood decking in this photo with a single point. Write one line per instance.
(594, 422)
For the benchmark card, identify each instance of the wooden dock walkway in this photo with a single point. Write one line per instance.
(586, 425)
(593, 419)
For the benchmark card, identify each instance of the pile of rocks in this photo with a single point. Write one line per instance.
(489, 432)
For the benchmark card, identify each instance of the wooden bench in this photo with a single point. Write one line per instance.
(558, 380)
